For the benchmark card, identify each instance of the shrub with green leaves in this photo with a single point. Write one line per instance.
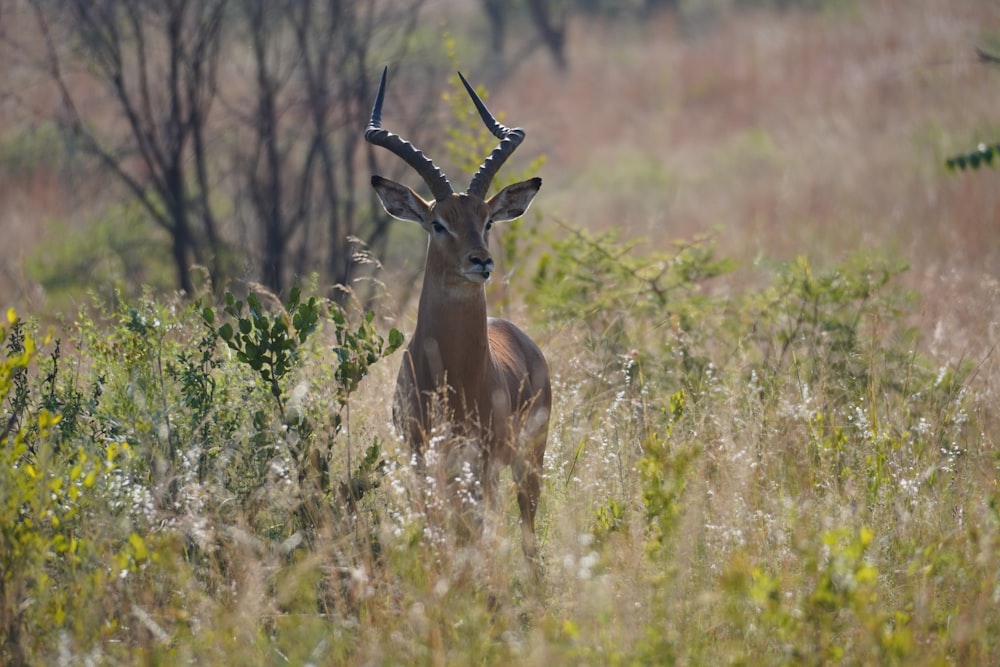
(830, 613)
(822, 326)
(271, 346)
(53, 488)
(119, 464)
(653, 307)
(778, 475)
(267, 344)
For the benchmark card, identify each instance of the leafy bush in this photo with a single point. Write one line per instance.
(822, 327)
(267, 345)
(54, 487)
(651, 308)
(153, 429)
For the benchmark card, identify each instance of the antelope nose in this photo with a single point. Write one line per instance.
(482, 261)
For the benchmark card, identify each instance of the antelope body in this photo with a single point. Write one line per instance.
(490, 376)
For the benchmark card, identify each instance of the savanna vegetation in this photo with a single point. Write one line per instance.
(768, 305)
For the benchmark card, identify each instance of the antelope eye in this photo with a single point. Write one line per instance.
(438, 227)
(489, 225)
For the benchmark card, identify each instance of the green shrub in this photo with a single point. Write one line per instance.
(52, 488)
(652, 307)
(120, 465)
(830, 613)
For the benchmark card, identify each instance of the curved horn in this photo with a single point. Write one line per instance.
(509, 140)
(432, 175)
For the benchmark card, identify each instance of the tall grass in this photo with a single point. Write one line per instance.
(777, 475)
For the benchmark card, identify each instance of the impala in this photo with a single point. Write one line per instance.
(491, 378)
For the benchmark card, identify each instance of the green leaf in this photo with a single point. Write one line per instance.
(395, 340)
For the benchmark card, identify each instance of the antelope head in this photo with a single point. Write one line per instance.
(458, 224)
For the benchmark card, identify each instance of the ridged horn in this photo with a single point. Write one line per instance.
(509, 138)
(423, 165)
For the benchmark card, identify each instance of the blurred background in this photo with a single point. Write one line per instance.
(181, 145)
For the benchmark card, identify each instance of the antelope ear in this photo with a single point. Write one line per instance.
(511, 202)
(401, 202)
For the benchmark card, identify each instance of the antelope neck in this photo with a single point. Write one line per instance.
(457, 323)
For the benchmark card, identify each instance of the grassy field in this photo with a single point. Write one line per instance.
(770, 315)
